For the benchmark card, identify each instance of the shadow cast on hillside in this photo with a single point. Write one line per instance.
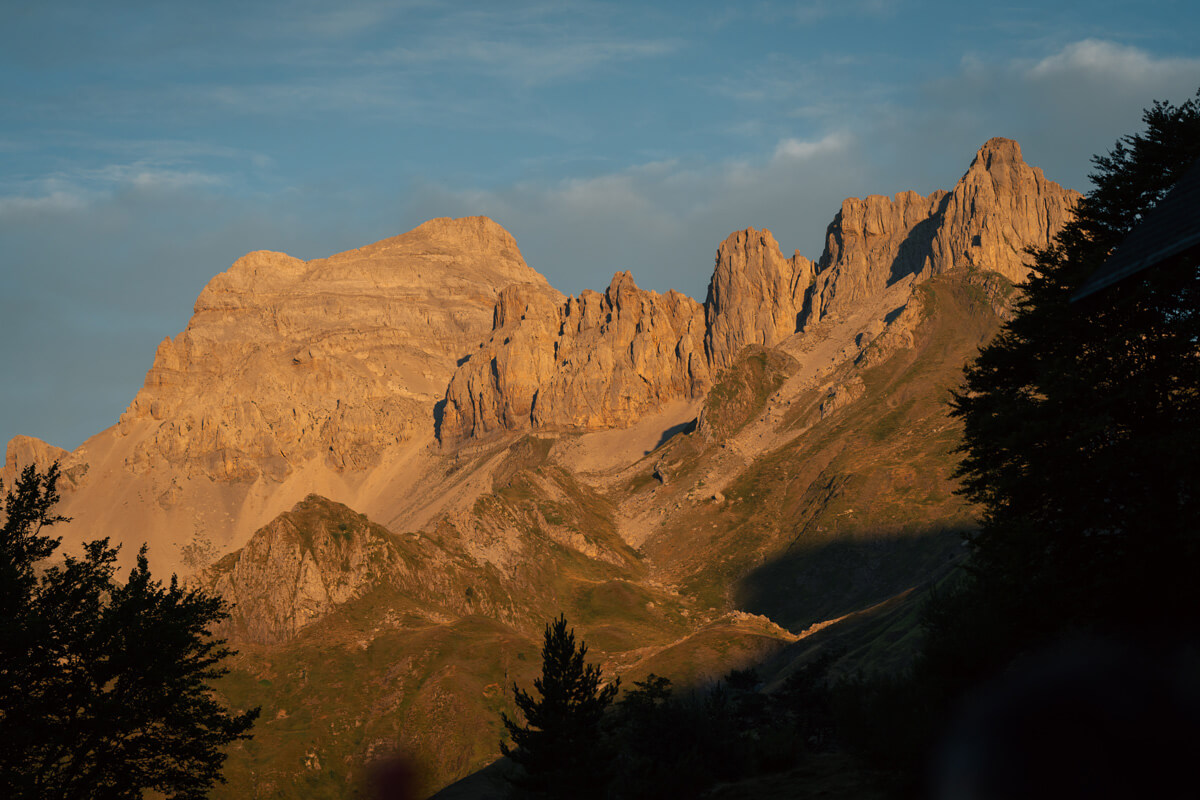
(672, 432)
(816, 581)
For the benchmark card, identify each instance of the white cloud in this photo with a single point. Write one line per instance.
(1098, 59)
(801, 150)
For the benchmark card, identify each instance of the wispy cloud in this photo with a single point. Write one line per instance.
(801, 150)
(530, 62)
(71, 190)
(665, 218)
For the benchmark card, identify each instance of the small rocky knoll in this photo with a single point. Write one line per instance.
(321, 555)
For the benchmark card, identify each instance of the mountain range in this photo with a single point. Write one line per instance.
(398, 462)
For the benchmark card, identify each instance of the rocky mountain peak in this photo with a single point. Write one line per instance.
(286, 361)
(602, 359)
(23, 451)
(754, 297)
(997, 151)
(999, 207)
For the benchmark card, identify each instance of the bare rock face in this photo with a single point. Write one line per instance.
(497, 387)
(319, 555)
(871, 243)
(755, 295)
(594, 361)
(25, 451)
(286, 360)
(998, 208)
(298, 567)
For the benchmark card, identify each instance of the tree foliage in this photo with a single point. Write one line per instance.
(1082, 419)
(560, 745)
(104, 686)
(1081, 427)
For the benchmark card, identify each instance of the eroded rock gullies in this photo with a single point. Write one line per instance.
(321, 555)
(337, 358)
(584, 363)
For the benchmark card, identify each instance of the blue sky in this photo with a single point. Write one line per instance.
(144, 146)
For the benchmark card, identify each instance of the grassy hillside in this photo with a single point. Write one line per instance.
(855, 510)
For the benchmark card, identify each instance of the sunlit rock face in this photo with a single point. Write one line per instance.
(755, 295)
(999, 207)
(338, 358)
(580, 363)
(30, 451)
(600, 361)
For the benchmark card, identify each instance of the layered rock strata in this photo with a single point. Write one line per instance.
(338, 358)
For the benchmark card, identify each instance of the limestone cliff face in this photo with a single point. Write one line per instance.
(589, 362)
(998, 208)
(755, 295)
(871, 243)
(618, 355)
(338, 358)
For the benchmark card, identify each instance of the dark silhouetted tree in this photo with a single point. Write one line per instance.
(1082, 427)
(1081, 432)
(104, 686)
(560, 746)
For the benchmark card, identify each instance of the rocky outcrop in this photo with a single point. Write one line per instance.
(755, 295)
(25, 451)
(299, 566)
(998, 208)
(618, 355)
(320, 555)
(338, 358)
(871, 243)
(589, 362)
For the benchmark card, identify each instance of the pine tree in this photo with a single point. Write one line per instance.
(104, 686)
(560, 747)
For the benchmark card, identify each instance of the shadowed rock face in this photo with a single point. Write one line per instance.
(583, 363)
(287, 360)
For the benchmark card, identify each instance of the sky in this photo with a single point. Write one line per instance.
(145, 146)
